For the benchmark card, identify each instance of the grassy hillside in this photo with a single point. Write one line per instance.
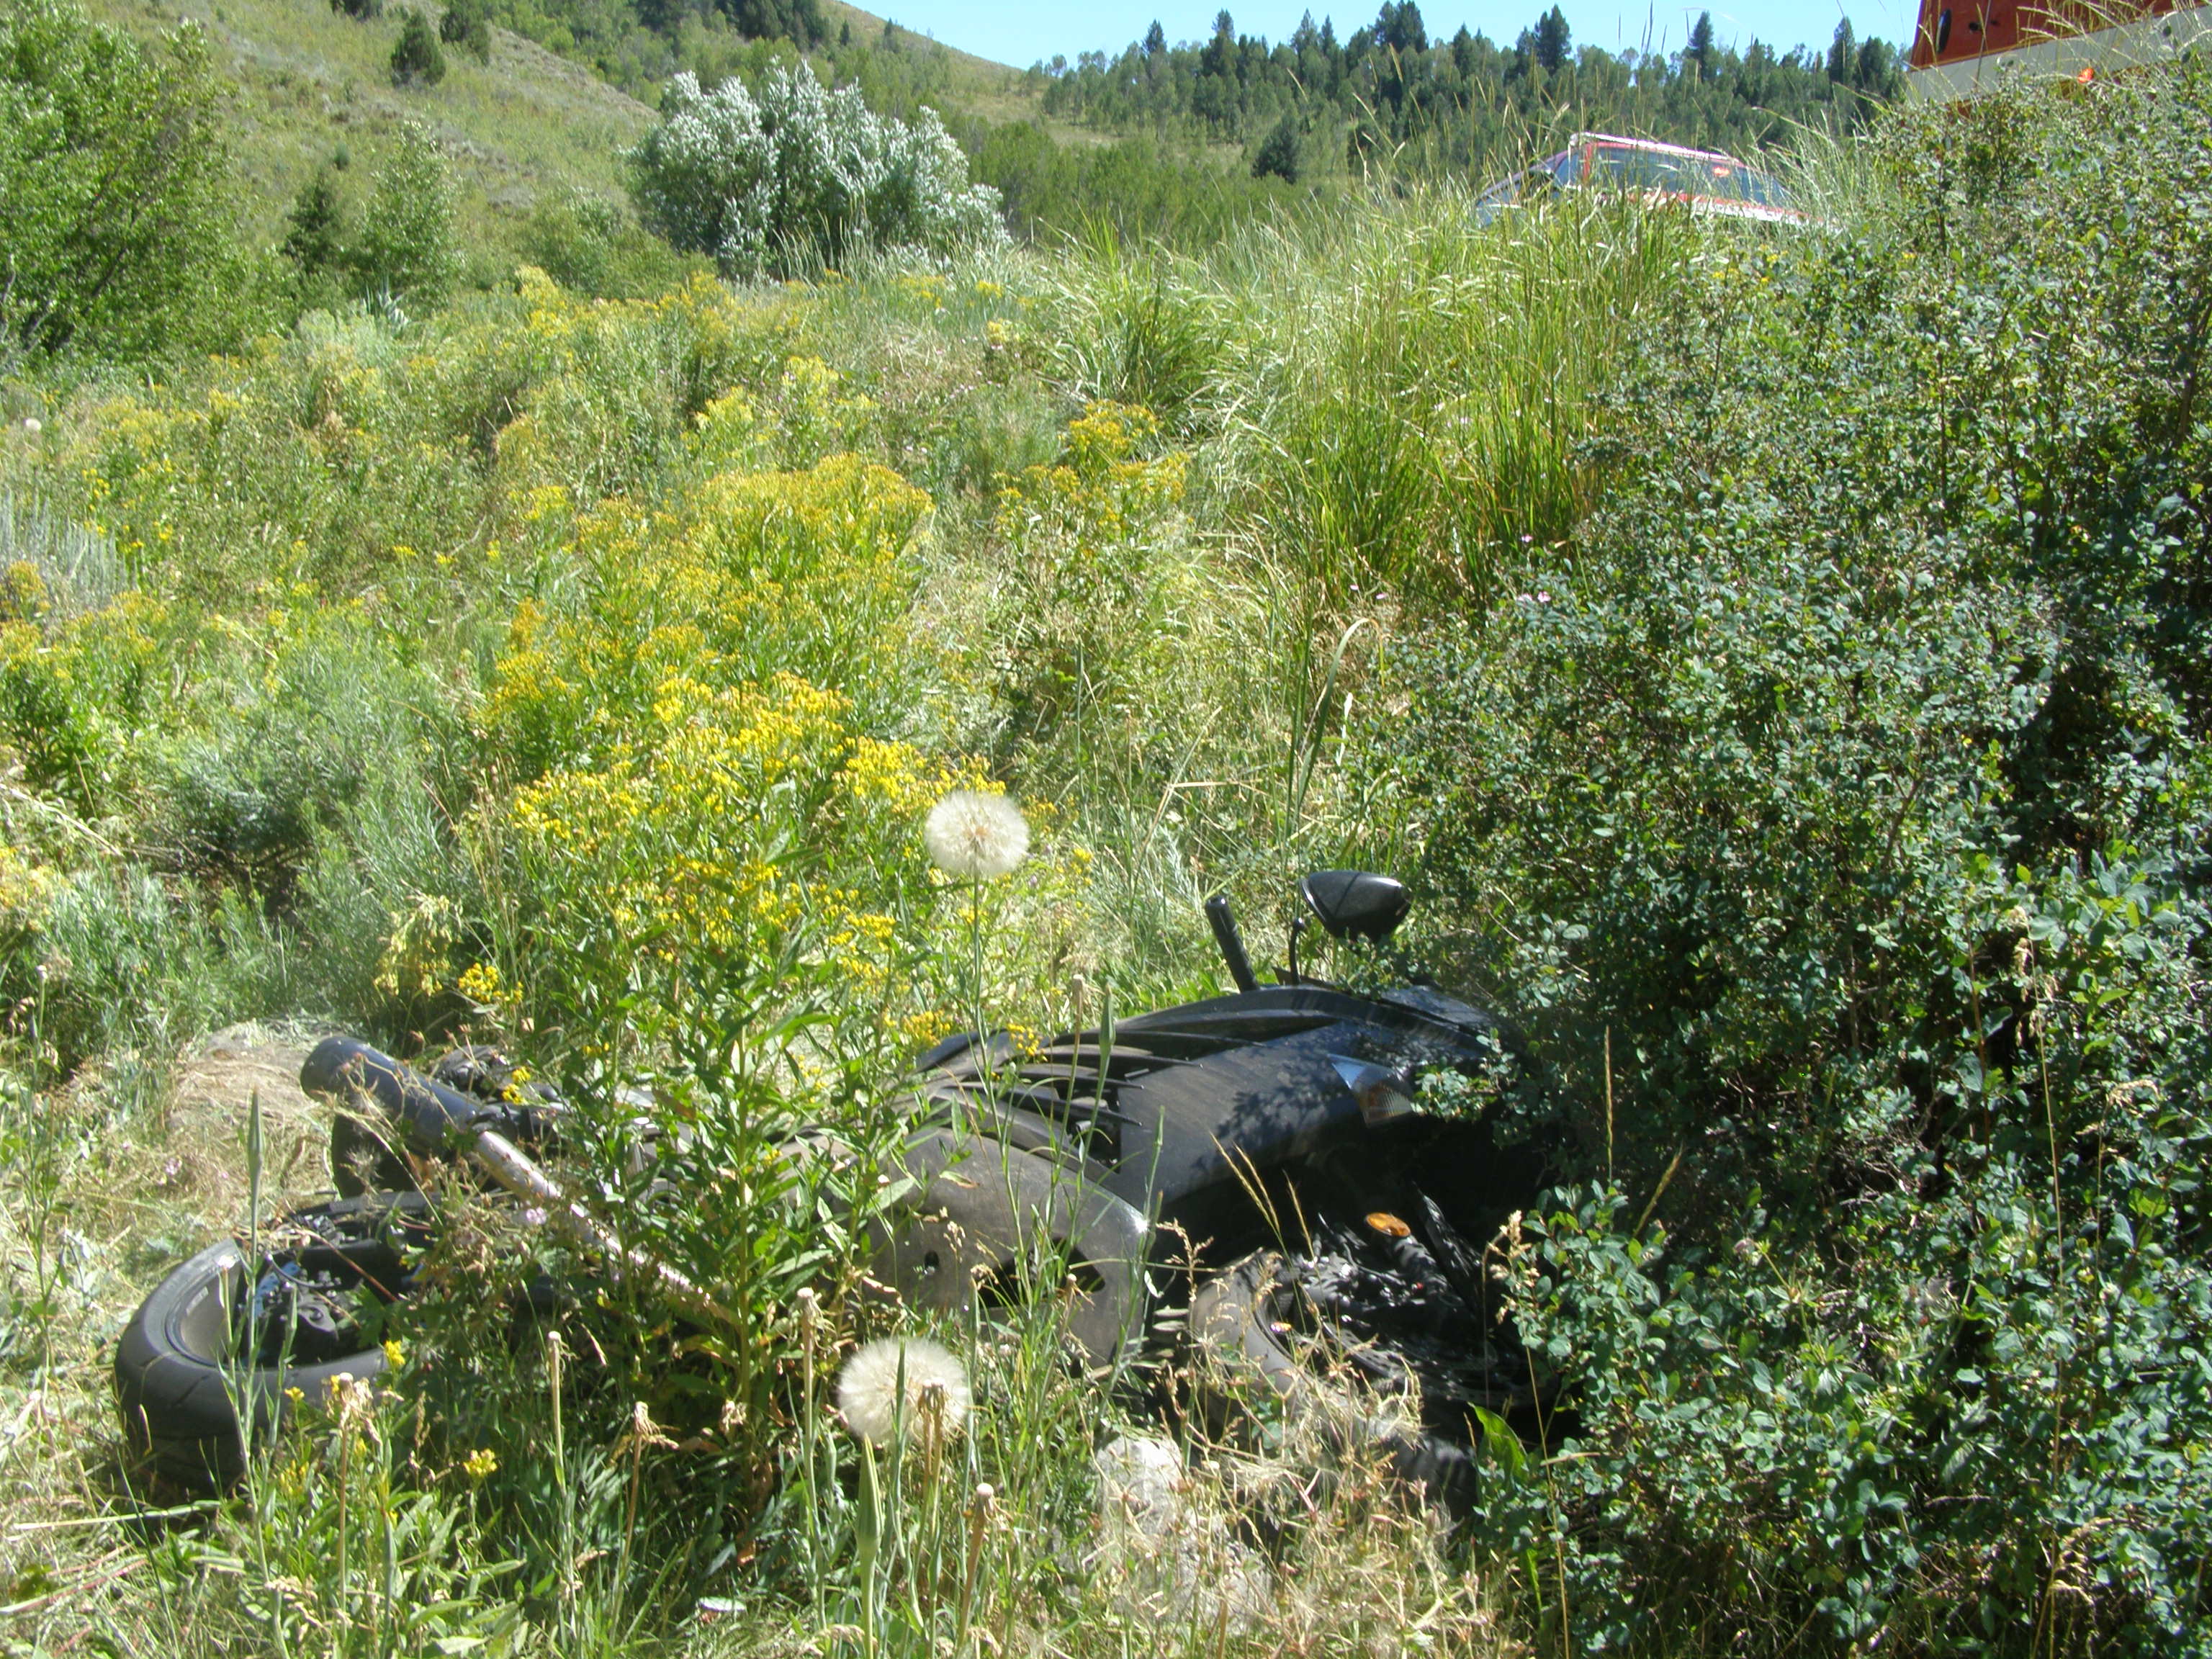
(309, 80)
(310, 83)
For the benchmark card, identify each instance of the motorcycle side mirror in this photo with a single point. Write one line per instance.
(1356, 902)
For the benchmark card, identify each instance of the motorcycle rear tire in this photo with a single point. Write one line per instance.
(1243, 1329)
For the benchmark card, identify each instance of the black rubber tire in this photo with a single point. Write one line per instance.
(1243, 1324)
(186, 1363)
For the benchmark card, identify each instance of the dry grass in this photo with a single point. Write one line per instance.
(129, 1171)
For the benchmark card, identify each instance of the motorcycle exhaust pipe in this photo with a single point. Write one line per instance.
(434, 1120)
(1219, 917)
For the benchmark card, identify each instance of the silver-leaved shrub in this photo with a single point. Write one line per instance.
(774, 181)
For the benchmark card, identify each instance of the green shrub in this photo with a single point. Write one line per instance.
(1829, 805)
(593, 246)
(116, 224)
(406, 249)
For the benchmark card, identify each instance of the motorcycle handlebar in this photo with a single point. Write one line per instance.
(1219, 917)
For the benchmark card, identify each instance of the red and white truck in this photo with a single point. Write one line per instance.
(1962, 45)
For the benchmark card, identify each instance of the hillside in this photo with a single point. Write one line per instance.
(1176, 142)
(311, 82)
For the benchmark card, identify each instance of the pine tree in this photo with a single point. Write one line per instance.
(417, 57)
(1553, 39)
(1399, 28)
(466, 26)
(1278, 152)
(800, 21)
(1700, 48)
(315, 234)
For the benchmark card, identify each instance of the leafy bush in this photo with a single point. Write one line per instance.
(799, 177)
(116, 228)
(1831, 804)
(406, 250)
(594, 247)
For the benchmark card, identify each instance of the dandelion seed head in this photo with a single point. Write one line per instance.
(974, 836)
(32, 425)
(868, 1390)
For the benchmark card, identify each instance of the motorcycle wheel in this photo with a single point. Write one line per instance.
(1247, 1328)
(222, 1343)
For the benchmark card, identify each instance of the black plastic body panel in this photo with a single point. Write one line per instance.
(1276, 1086)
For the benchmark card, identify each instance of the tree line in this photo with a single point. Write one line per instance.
(1389, 96)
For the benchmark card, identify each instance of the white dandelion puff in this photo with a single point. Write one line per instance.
(975, 836)
(32, 426)
(868, 1390)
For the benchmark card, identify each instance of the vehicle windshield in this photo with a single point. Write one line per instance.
(1641, 170)
(1629, 166)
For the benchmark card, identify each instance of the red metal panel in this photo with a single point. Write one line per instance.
(1954, 31)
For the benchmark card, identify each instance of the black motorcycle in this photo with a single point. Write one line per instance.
(1268, 1150)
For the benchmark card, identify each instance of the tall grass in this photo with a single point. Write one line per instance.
(1418, 388)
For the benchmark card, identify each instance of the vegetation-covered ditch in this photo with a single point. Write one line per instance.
(1777, 660)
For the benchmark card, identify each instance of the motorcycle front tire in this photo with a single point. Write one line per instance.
(188, 1375)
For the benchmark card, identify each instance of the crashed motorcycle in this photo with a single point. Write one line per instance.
(1264, 1161)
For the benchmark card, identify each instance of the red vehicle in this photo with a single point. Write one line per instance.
(1704, 180)
(1961, 45)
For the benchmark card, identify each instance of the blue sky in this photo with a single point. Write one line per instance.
(1021, 35)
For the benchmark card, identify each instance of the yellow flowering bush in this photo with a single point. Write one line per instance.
(418, 960)
(816, 414)
(74, 692)
(729, 434)
(612, 391)
(705, 785)
(27, 885)
(748, 822)
(759, 573)
(1087, 613)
